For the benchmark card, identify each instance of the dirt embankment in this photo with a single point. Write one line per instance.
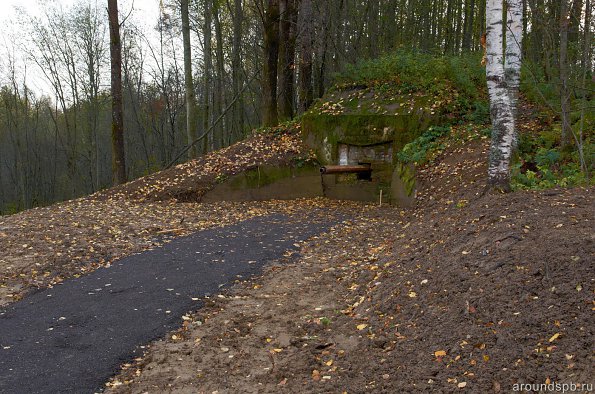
(468, 292)
(44, 246)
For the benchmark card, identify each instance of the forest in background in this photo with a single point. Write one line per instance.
(255, 63)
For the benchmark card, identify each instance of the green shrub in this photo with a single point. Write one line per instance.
(542, 164)
(418, 150)
(480, 112)
(417, 72)
(545, 157)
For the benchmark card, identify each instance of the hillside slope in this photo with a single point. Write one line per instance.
(44, 246)
(467, 292)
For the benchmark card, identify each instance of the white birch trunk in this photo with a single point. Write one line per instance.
(513, 59)
(503, 129)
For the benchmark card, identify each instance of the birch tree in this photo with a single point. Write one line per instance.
(502, 80)
(513, 58)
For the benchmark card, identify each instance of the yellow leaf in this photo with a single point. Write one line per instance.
(361, 326)
(329, 363)
(554, 337)
(277, 350)
(440, 353)
(462, 384)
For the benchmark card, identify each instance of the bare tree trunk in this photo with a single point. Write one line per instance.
(219, 101)
(208, 66)
(564, 92)
(339, 37)
(271, 53)
(588, 44)
(236, 65)
(322, 47)
(469, 20)
(503, 128)
(449, 34)
(306, 93)
(287, 58)
(373, 22)
(586, 65)
(458, 31)
(191, 132)
(118, 157)
(482, 20)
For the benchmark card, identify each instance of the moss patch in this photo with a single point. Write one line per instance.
(267, 175)
(323, 132)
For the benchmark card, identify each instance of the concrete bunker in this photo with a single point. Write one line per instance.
(357, 140)
(356, 145)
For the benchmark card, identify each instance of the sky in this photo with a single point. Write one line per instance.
(145, 9)
(144, 13)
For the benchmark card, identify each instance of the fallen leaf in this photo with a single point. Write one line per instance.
(316, 375)
(554, 337)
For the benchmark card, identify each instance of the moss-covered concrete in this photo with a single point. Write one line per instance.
(267, 183)
(403, 185)
(357, 118)
(323, 132)
(366, 118)
(266, 175)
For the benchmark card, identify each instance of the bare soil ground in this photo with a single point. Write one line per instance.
(468, 292)
(44, 246)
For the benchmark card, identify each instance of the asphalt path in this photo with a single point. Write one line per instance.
(73, 337)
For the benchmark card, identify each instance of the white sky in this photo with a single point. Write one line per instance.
(144, 9)
(145, 14)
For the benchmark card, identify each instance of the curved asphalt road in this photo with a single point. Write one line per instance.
(72, 338)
